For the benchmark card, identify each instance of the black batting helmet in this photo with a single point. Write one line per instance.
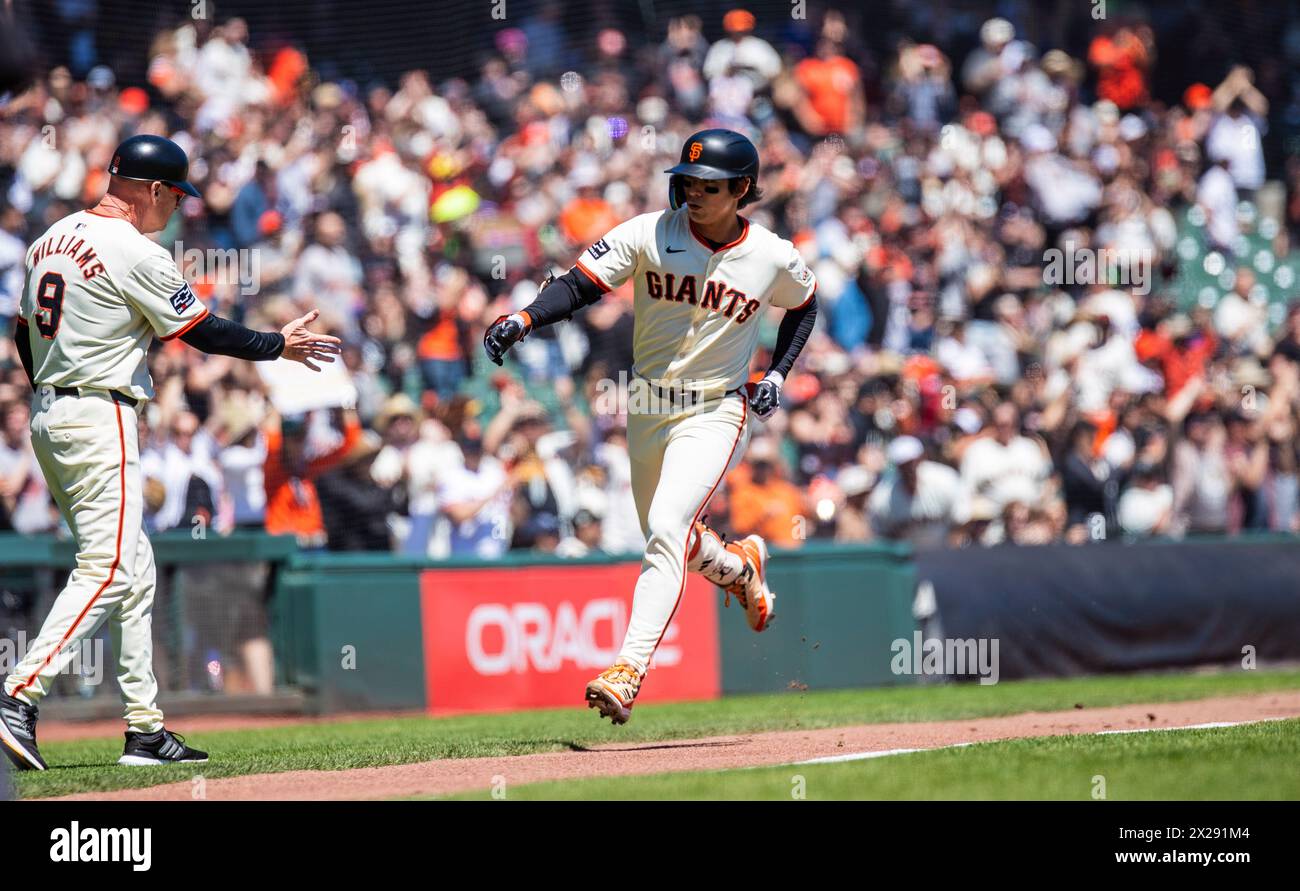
(718, 154)
(714, 154)
(149, 158)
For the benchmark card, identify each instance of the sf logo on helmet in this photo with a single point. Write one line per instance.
(696, 149)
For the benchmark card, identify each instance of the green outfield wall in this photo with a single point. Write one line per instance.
(380, 631)
(357, 631)
(839, 607)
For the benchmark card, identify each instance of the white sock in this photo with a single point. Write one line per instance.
(711, 559)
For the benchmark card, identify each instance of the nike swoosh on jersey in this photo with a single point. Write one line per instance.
(676, 250)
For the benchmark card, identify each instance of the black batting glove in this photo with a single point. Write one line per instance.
(765, 396)
(502, 334)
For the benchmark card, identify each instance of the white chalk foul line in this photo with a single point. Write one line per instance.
(859, 756)
(1187, 727)
(864, 756)
(884, 753)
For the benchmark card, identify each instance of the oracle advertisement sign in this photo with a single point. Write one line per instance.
(532, 637)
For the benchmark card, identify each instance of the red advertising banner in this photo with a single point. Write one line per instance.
(532, 637)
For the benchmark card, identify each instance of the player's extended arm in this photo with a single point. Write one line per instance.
(558, 299)
(226, 338)
(24, 347)
(796, 327)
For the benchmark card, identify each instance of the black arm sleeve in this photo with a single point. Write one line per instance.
(792, 335)
(24, 351)
(563, 297)
(226, 338)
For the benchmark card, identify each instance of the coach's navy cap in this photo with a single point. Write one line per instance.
(149, 158)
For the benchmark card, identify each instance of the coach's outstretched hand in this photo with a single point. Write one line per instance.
(301, 345)
(765, 396)
(502, 334)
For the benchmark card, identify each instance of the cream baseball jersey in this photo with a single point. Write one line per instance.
(697, 309)
(97, 292)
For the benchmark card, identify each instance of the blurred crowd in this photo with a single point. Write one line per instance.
(955, 392)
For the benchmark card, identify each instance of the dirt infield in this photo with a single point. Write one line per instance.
(717, 753)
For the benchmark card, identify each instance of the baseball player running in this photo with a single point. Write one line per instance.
(97, 292)
(702, 276)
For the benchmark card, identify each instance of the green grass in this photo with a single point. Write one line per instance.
(89, 765)
(1250, 762)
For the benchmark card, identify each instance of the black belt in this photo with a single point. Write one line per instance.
(674, 396)
(119, 398)
(687, 397)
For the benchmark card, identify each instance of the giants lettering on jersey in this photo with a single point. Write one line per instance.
(718, 296)
(86, 261)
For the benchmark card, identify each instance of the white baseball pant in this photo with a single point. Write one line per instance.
(678, 462)
(88, 449)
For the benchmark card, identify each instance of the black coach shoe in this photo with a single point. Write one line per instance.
(18, 733)
(159, 747)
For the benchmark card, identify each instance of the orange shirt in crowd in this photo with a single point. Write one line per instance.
(1177, 366)
(584, 220)
(768, 510)
(1120, 61)
(1106, 422)
(829, 83)
(292, 506)
(442, 341)
(286, 71)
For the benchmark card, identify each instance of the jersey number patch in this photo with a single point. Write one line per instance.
(49, 297)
